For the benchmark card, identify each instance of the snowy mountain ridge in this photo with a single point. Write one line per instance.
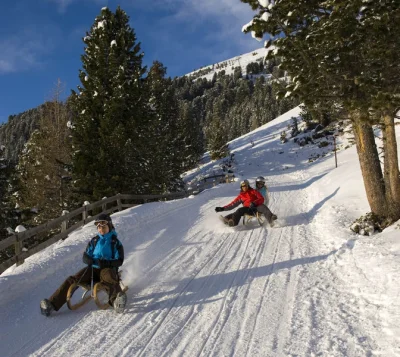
(229, 65)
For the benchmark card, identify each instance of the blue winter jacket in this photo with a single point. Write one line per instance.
(263, 190)
(104, 251)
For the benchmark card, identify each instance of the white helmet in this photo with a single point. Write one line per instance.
(260, 179)
(245, 182)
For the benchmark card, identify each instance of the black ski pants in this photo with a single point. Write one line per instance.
(240, 212)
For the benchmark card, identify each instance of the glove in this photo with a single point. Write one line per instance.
(103, 263)
(219, 209)
(87, 259)
(252, 205)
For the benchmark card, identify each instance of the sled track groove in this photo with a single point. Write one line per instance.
(177, 297)
(256, 257)
(50, 347)
(263, 293)
(144, 332)
(224, 303)
(212, 273)
(177, 248)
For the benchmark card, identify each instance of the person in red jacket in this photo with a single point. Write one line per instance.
(252, 201)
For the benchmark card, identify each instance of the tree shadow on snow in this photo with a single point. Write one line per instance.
(307, 217)
(299, 186)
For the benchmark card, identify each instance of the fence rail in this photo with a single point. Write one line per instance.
(17, 239)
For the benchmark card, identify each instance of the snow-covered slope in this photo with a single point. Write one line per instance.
(229, 65)
(307, 287)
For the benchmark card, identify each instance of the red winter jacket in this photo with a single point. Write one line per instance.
(246, 198)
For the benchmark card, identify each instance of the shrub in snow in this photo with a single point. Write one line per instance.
(283, 137)
(304, 140)
(368, 225)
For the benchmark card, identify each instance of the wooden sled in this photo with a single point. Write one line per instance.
(87, 295)
(258, 216)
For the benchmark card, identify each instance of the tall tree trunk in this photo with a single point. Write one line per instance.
(370, 165)
(391, 168)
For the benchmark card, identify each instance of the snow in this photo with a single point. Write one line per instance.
(254, 35)
(263, 3)
(265, 16)
(307, 287)
(238, 61)
(101, 24)
(20, 228)
(245, 27)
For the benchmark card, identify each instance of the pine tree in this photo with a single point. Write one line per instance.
(217, 136)
(44, 166)
(110, 123)
(6, 211)
(167, 146)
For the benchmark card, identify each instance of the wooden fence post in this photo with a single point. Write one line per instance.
(17, 246)
(64, 224)
(84, 213)
(119, 203)
(104, 205)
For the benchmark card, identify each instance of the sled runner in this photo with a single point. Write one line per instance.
(79, 294)
(258, 216)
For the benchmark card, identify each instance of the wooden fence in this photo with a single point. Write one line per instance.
(116, 205)
(211, 181)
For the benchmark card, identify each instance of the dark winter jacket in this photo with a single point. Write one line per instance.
(246, 198)
(104, 251)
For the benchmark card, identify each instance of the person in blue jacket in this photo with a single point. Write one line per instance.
(104, 254)
(263, 189)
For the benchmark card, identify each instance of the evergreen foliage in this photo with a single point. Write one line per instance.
(16, 132)
(110, 123)
(243, 104)
(7, 213)
(217, 134)
(165, 135)
(44, 166)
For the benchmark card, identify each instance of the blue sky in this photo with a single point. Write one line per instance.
(41, 40)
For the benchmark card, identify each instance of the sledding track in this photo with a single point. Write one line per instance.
(207, 290)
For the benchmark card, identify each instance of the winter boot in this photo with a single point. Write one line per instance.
(226, 220)
(46, 307)
(231, 223)
(120, 302)
(274, 217)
